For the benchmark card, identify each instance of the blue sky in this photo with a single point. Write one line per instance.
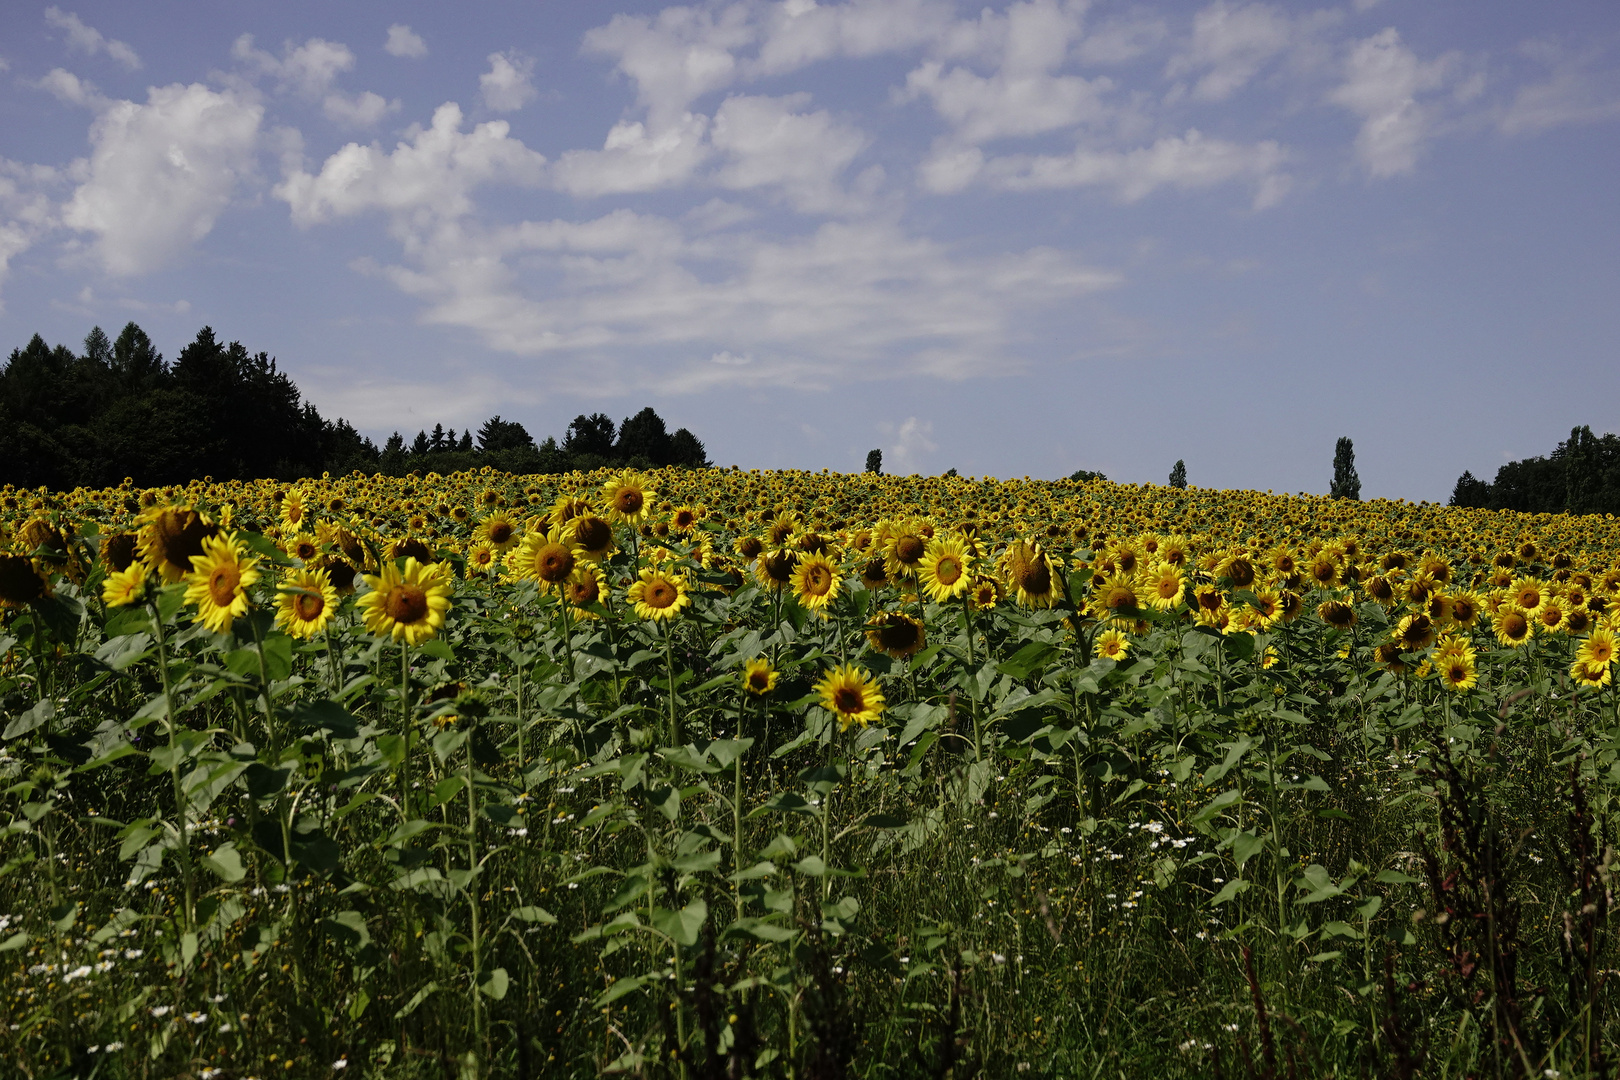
(1016, 239)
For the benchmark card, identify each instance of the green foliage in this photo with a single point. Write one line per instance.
(1178, 474)
(874, 462)
(1346, 482)
(1580, 476)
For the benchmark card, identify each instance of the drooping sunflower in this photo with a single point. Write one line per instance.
(582, 589)
(219, 581)
(1337, 614)
(659, 594)
(1031, 574)
(874, 573)
(569, 507)
(307, 603)
(1414, 632)
(851, 694)
(895, 634)
(1266, 607)
(943, 570)
(1163, 586)
(544, 558)
(1591, 675)
(748, 548)
(407, 603)
(759, 677)
(119, 550)
(815, 582)
(775, 570)
(170, 536)
(125, 587)
(592, 535)
(629, 497)
(21, 581)
(1113, 644)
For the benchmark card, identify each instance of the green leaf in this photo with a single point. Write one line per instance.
(1245, 845)
(532, 914)
(493, 984)
(1215, 806)
(416, 999)
(226, 861)
(437, 649)
(42, 713)
(681, 926)
(326, 715)
(1230, 891)
(1395, 877)
(1028, 660)
(349, 927)
(619, 989)
(811, 866)
(15, 941)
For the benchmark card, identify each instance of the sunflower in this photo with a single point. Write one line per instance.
(119, 550)
(308, 602)
(1527, 593)
(21, 581)
(759, 677)
(1455, 662)
(407, 602)
(125, 587)
(1031, 574)
(544, 558)
(986, 592)
(815, 582)
(303, 548)
(659, 594)
(1589, 674)
(943, 570)
(1163, 586)
(1112, 644)
(219, 580)
(1598, 648)
(1388, 656)
(499, 531)
(568, 508)
(294, 512)
(1325, 572)
(1551, 614)
(748, 547)
(341, 573)
(169, 538)
(1115, 597)
(593, 536)
(874, 573)
(629, 497)
(775, 571)
(583, 588)
(1337, 614)
(1380, 590)
(895, 634)
(1577, 621)
(1513, 624)
(1239, 569)
(1415, 631)
(851, 694)
(683, 519)
(1465, 608)
(906, 548)
(1266, 606)
(482, 559)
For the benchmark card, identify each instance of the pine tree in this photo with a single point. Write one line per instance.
(1346, 484)
(874, 462)
(1178, 475)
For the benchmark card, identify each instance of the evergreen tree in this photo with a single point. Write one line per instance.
(643, 439)
(687, 450)
(420, 445)
(1178, 475)
(1470, 491)
(497, 435)
(874, 462)
(591, 435)
(436, 440)
(1346, 484)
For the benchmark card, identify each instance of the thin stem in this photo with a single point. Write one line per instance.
(180, 809)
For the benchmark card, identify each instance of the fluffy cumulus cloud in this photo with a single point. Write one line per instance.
(770, 144)
(508, 85)
(1184, 161)
(404, 42)
(432, 171)
(160, 173)
(310, 71)
(88, 39)
(1578, 88)
(1384, 85)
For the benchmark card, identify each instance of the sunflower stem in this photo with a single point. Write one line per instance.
(405, 727)
(669, 668)
(180, 810)
(973, 685)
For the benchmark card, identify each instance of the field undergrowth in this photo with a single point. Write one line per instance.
(726, 774)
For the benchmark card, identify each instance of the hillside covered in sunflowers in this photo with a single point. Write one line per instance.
(701, 772)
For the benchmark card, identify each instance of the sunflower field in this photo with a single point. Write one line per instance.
(708, 773)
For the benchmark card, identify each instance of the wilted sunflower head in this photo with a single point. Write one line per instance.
(21, 581)
(1337, 614)
(749, 547)
(410, 548)
(170, 538)
(775, 570)
(119, 550)
(895, 634)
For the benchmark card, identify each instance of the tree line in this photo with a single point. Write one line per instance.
(118, 409)
(1580, 476)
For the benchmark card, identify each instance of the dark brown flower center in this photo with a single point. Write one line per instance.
(406, 603)
(223, 583)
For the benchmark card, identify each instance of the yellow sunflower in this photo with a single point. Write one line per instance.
(759, 677)
(170, 536)
(407, 603)
(127, 586)
(219, 581)
(629, 497)
(498, 530)
(582, 589)
(1513, 624)
(592, 535)
(815, 582)
(1598, 648)
(851, 694)
(1031, 574)
(294, 512)
(307, 603)
(544, 558)
(1113, 644)
(659, 594)
(1455, 663)
(1163, 586)
(943, 570)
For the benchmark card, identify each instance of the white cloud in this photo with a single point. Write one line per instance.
(26, 210)
(795, 35)
(635, 157)
(404, 42)
(357, 110)
(508, 84)
(433, 172)
(912, 439)
(1383, 81)
(69, 89)
(1231, 43)
(676, 56)
(89, 39)
(768, 144)
(848, 301)
(1577, 91)
(1186, 162)
(310, 71)
(1120, 40)
(161, 173)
